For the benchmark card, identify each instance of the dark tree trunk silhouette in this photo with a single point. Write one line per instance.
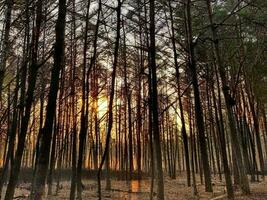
(105, 156)
(228, 99)
(47, 131)
(73, 99)
(154, 102)
(198, 107)
(184, 134)
(28, 105)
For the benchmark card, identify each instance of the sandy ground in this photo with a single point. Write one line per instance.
(134, 190)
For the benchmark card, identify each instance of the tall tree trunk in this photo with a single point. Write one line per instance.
(128, 99)
(84, 116)
(252, 104)
(221, 135)
(228, 99)
(154, 102)
(43, 160)
(73, 100)
(11, 138)
(192, 146)
(28, 105)
(198, 107)
(184, 134)
(111, 98)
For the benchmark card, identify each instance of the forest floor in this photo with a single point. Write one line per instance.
(140, 190)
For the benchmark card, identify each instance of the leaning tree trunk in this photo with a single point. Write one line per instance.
(111, 97)
(252, 103)
(184, 134)
(221, 135)
(198, 107)
(84, 117)
(84, 110)
(28, 105)
(46, 137)
(244, 184)
(11, 137)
